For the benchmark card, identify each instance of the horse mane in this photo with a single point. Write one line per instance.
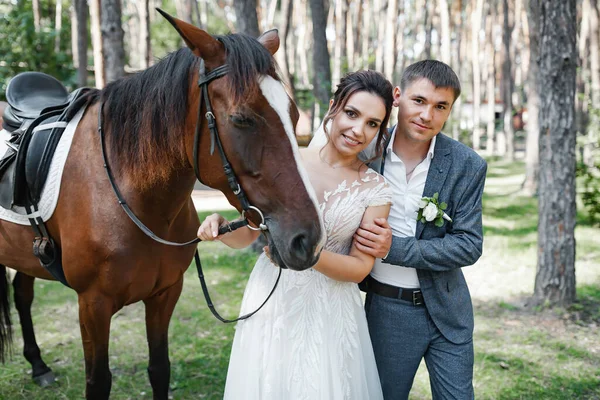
(145, 113)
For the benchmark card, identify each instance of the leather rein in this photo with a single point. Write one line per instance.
(203, 80)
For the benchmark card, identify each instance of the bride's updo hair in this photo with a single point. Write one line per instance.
(363, 81)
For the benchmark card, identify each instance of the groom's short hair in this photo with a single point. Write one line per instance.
(438, 73)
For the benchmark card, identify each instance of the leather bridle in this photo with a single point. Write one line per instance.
(204, 80)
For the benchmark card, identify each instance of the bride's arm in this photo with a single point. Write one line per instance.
(237, 239)
(355, 266)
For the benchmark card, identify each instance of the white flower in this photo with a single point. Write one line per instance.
(430, 212)
(422, 203)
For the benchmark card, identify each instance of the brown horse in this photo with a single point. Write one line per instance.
(149, 123)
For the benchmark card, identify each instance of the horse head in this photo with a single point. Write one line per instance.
(255, 121)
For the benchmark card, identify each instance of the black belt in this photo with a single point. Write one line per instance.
(370, 284)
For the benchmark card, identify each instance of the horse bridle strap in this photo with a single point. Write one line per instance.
(203, 81)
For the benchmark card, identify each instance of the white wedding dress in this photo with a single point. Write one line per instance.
(310, 341)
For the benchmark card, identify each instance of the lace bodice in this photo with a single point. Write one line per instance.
(343, 208)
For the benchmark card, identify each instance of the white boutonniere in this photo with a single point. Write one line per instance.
(430, 209)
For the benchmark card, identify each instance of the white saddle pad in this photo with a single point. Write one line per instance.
(49, 199)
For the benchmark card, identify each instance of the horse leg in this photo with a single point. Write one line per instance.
(95, 313)
(159, 310)
(5, 324)
(23, 286)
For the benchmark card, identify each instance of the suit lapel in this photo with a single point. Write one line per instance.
(438, 171)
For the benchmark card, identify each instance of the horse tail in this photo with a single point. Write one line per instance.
(5, 324)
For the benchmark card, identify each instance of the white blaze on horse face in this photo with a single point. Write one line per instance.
(278, 99)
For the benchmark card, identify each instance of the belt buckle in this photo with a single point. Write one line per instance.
(415, 299)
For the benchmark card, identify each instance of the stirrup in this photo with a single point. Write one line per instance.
(43, 248)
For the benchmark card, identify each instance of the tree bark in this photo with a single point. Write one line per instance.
(366, 33)
(285, 56)
(555, 279)
(380, 12)
(445, 35)
(507, 84)
(97, 43)
(532, 164)
(321, 68)
(36, 15)
(246, 17)
(112, 39)
(303, 48)
(476, 62)
(339, 44)
(490, 51)
(81, 34)
(144, 33)
(391, 26)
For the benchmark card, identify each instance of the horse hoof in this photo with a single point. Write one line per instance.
(45, 380)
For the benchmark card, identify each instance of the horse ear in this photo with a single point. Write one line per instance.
(201, 43)
(270, 39)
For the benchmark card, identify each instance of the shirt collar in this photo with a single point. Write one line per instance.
(390, 147)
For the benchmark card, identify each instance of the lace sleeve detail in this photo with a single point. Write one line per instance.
(380, 194)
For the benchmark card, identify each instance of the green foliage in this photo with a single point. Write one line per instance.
(588, 172)
(590, 190)
(24, 49)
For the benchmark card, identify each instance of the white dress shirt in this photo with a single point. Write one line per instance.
(403, 214)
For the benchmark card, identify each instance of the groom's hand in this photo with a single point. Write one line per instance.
(374, 239)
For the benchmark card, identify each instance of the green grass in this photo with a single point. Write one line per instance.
(520, 353)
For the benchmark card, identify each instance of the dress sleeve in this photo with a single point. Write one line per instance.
(381, 194)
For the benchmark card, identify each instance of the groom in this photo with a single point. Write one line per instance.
(418, 304)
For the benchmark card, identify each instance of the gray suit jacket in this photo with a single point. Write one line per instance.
(457, 173)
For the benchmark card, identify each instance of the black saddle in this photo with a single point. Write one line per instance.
(39, 109)
(28, 94)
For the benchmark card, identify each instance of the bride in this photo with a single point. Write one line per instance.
(310, 341)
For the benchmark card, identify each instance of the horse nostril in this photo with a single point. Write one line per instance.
(301, 246)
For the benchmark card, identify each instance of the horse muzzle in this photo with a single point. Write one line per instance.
(298, 251)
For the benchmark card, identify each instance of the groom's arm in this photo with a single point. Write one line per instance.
(461, 246)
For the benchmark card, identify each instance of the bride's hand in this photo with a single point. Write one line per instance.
(209, 229)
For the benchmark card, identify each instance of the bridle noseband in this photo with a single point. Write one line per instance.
(203, 82)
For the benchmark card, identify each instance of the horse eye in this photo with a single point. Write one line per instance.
(241, 121)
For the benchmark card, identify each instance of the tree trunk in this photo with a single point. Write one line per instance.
(339, 44)
(476, 62)
(58, 25)
(490, 56)
(366, 33)
(532, 164)
(303, 46)
(144, 33)
(81, 15)
(246, 17)
(555, 279)
(97, 43)
(285, 56)
(507, 84)
(445, 35)
(352, 32)
(380, 12)
(321, 68)
(112, 39)
(427, 27)
(36, 15)
(391, 26)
